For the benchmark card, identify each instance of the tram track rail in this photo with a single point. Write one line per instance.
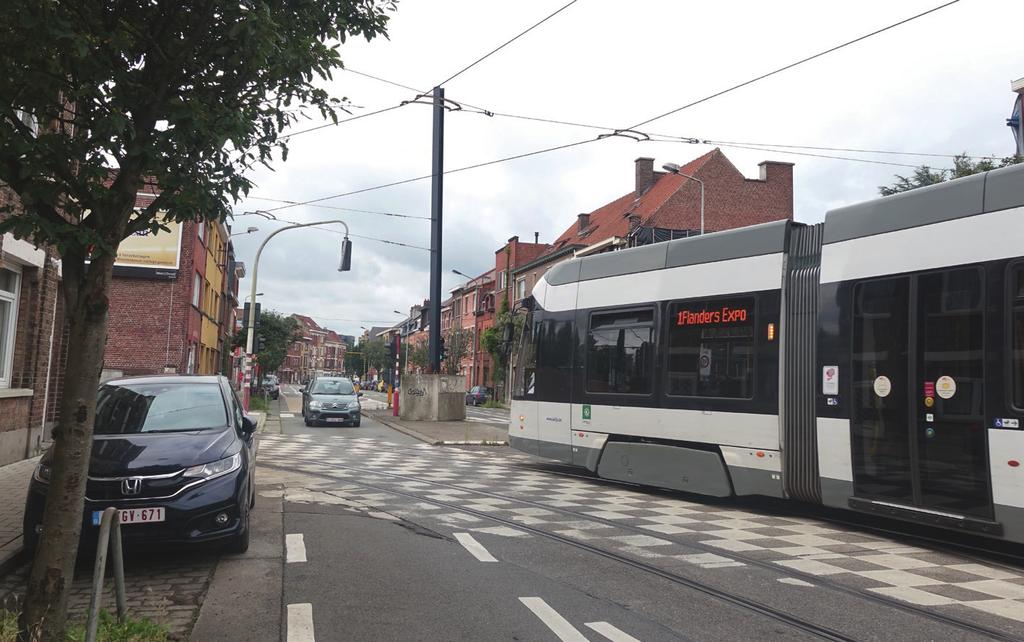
(732, 598)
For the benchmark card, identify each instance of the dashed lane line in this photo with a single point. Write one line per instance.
(295, 548)
(474, 547)
(300, 623)
(550, 617)
(611, 632)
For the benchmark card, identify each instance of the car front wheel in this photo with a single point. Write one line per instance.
(240, 543)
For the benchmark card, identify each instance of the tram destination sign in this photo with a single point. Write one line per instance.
(714, 316)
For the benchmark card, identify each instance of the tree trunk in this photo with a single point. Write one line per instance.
(85, 293)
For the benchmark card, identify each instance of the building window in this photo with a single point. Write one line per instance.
(1017, 362)
(711, 349)
(620, 352)
(520, 289)
(197, 289)
(29, 120)
(503, 280)
(9, 284)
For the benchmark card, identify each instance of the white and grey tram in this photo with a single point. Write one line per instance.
(873, 362)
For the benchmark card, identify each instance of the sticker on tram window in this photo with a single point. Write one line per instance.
(882, 386)
(945, 387)
(830, 380)
(1007, 422)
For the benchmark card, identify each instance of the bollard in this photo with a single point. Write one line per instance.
(110, 529)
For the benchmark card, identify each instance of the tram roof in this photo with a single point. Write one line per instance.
(998, 189)
(753, 240)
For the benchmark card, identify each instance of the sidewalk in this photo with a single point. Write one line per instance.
(14, 480)
(445, 433)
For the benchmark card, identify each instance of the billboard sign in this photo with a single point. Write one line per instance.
(149, 255)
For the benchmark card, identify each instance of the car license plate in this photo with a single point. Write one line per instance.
(336, 419)
(133, 515)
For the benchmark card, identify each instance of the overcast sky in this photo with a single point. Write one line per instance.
(939, 84)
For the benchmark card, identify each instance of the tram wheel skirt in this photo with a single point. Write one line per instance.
(675, 467)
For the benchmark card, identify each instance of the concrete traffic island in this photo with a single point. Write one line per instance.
(432, 398)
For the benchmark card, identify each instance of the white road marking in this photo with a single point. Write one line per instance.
(794, 581)
(300, 623)
(611, 632)
(295, 548)
(287, 415)
(550, 617)
(474, 547)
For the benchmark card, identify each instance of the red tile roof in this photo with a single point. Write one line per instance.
(613, 219)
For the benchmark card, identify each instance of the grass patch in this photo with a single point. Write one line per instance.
(259, 403)
(110, 630)
(494, 404)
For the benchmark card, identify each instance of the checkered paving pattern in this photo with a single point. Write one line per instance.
(656, 529)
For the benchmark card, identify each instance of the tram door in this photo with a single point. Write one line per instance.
(918, 424)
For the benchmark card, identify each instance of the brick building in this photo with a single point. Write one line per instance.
(171, 303)
(666, 205)
(473, 312)
(32, 343)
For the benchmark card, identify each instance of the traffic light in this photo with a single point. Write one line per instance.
(444, 353)
(261, 344)
(389, 353)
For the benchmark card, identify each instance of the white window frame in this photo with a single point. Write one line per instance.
(520, 289)
(504, 280)
(197, 290)
(9, 334)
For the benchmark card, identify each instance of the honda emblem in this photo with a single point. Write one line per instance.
(131, 486)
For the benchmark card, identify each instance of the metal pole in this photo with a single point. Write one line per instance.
(98, 570)
(434, 338)
(251, 321)
(122, 600)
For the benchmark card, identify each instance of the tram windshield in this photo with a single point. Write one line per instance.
(524, 379)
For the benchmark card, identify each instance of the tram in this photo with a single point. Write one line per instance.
(873, 362)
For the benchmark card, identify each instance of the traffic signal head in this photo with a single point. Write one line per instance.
(444, 352)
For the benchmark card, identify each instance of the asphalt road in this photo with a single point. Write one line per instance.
(386, 538)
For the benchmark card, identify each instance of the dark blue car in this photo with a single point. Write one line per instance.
(174, 454)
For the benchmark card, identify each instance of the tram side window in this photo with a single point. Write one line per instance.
(620, 352)
(525, 370)
(1018, 337)
(711, 349)
(554, 361)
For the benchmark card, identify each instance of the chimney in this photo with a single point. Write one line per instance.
(584, 221)
(644, 173)
(536, 238)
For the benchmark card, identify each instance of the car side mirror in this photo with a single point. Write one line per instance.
(248, 425)
(302, 389)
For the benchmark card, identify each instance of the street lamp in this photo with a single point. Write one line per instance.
(674, 169)
(345, 265)
(249, 296)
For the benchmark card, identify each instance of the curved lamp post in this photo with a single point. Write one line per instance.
(344, 266)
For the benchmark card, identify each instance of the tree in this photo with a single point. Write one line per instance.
(374, 354)
(414, 356)
(493, 341)
(457, 344)
(185, 96)
(353, 362)
(278, 332)
(963, 165)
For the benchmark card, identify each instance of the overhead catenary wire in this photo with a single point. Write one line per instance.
(640, 124)
(270, 217)
(338, 208)
(507, 43)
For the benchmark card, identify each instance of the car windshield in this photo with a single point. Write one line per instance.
(332, 387)
(159, 407)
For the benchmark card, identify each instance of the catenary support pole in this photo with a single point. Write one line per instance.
(434, 338)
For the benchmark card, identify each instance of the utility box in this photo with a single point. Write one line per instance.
(433, 397)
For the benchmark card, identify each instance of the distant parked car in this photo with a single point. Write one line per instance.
(174, 454)
(271, 386)
(331, 400)
(477, 395)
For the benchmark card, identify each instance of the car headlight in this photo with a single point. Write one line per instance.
(215, 468)
(353, 405)
(42, 473)
(315, 404)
